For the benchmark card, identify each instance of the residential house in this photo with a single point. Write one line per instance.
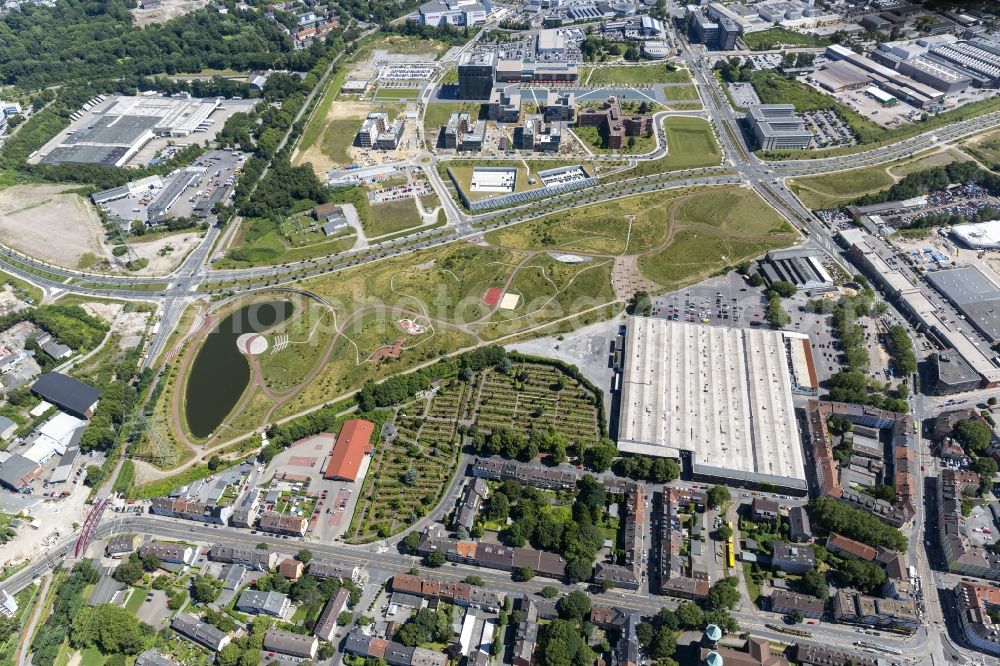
(322, 570)
(841, 545)
(277, 523)
(792, 558)
(326, 626)
(198, 511)
(200, 632)
(122, 544)
(788, 603)
(764, 509)
(255, 602)
(291, 568)
(799, 530)
(252, 558)
(169, 553)
(292, 645)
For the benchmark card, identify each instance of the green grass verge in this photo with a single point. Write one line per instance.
(690, 144)
(125, 478)
(396, 94)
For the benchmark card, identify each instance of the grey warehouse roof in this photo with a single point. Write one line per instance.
(974, 294)
(66, 393)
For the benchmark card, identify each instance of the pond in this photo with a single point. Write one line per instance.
(221, 372)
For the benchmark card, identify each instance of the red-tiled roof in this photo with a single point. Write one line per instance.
(353, 444)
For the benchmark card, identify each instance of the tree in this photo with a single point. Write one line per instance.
(755, 280)
(796, 617)
(344, 618)
(813, 582)
(723, 533)
(574, 606)
(304, 556)
(548, 592)
(205, 589)
(724, 594)
(410, 477)
(839, 424)
(129, 572)
(783, 288)
(833, 515)
(497, 508)
(150, 562)
(973, 435)
(475, 581)
(411, 542)
(523, 574)
(109, 628)
(578, 570)
(718, 496)
(641, 305)
(600, 456)
(434, 559)
(214, 463)
(94, 476)
(689, 615)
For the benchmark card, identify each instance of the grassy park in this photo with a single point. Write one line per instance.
(633, 75)
(690, 144)
(602, 228)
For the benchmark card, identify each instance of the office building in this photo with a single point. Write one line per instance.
(476, 75)
(776, 127)
(453, 12)
(378, 133)
(504, 105)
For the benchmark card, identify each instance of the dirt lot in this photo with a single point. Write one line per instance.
(106, 311)
(46, 223)
(173, 247)
(168, 9)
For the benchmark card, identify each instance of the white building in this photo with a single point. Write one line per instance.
(551, 42)
(453, 12)
(978, 236)
(722, 396)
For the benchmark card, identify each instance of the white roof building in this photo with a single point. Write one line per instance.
(721, 395)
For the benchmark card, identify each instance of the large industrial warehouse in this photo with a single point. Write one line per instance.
(721, 395)
(974, 294)
(112, 130)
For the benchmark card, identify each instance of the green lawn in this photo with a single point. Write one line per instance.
(986, 149)
(463, 175)
(776, 37)
(690, 144)
(633, 75)
(135, 600)
(836, 189)
(92, 657)
(396, 94)
(392, 217)
(634, 145)
(308, 338)
(680, 93)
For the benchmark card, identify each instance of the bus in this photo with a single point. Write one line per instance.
(731, 547)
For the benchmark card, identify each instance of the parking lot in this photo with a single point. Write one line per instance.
(722, 301)
(186, 192)
(828, 129)
(335, 500)
(744, 94)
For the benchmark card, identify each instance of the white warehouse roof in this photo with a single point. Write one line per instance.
(722, 394)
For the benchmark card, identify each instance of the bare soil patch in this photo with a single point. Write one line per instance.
(48, 223)
(165, 254)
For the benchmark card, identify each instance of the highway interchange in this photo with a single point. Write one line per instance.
(739, 166)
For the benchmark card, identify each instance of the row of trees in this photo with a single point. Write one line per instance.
(933, 180)
(835, 516)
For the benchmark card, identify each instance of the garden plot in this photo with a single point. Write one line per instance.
(535, 396)
(410, 472)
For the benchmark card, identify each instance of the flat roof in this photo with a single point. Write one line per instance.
(722, 394)
(353, 444)
(974, 294)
